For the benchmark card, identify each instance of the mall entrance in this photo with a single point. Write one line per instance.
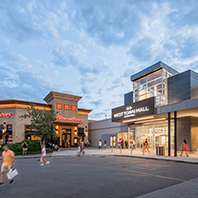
(156, 135)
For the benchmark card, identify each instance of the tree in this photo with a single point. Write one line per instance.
(42, 121)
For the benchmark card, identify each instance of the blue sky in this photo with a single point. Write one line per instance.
(91, 47)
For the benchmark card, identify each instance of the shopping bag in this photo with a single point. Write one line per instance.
(12, 173)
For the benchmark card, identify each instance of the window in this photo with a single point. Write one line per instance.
(59, 106)
(6, 134)
(73, 108)
(30, 133)
(66, 107)
(152, 85)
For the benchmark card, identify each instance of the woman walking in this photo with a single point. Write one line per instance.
(43, 154)
(25, 148)
(105, 143)
(184, 148)
(100, 144)
(146, 145)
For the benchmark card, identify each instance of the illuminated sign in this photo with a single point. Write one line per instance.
(73, 108)
(59, 106)
(66, 107)
(7, 115)
(133, 110)
(73, 119)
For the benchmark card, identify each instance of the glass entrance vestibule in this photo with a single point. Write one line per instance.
(156, 135)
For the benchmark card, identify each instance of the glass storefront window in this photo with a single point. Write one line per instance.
(152, 85)
(142, 97)
(5, 134)
(142, 81)
(159, 86)
(122, 136)
(157, 135)
(155, 82)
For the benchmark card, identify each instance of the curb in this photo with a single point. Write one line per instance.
(132, 156)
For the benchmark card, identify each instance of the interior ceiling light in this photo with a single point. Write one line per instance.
(144, 121)
(137, 119)
(152, 123)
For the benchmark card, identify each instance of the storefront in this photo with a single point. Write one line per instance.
(162, 108)
(72, 122)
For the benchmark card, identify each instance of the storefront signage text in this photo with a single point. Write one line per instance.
(130, 113)
(133, 110)
(73, 119)
(7, 115)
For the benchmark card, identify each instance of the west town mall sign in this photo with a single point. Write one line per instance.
(133, 110)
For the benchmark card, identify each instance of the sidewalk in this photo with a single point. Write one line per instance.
(93, 151)
(184, 189)
(127, 153)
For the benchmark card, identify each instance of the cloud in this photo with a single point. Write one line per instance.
(91, 48)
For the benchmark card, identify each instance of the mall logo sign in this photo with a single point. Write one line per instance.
(131, 113)
(133, 110)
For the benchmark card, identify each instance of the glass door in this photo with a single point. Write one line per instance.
(66, 137)
(113, 140)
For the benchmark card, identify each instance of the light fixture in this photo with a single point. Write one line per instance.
(137, 119)
(75, 130)
(150, 120)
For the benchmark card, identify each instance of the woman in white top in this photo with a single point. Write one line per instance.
(100, 144)
(43, 154)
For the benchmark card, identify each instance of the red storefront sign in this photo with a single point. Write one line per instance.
(73, 119)
(7, 115)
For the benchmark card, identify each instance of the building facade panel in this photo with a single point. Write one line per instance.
(179, 87)
(176, 109)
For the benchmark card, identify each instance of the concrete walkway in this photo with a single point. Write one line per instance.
(93, 151)
(126, 153)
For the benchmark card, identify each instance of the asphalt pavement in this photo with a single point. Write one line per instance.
(102, 176)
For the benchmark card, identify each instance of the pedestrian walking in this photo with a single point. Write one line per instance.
(82, 146)
(25, 148)
(100, 144)
(65, 143)
(88, 144)
(8, 161)
(146, 145)
(126, 144)
(79, 150)
(143, 145)
(134, 144)
(105, 143)
(184, 148)
(43, 154)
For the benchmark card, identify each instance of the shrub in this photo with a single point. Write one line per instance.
(33, 146)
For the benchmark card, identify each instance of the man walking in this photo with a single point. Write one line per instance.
(8, 161)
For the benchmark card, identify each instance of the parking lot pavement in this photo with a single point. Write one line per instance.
(96, 176)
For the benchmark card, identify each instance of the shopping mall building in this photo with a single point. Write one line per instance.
(163, 108)
(72, 122)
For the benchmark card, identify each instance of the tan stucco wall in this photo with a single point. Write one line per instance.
(83, 124)
(18, 124)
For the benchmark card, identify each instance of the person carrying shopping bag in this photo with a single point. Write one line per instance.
(8, 161)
